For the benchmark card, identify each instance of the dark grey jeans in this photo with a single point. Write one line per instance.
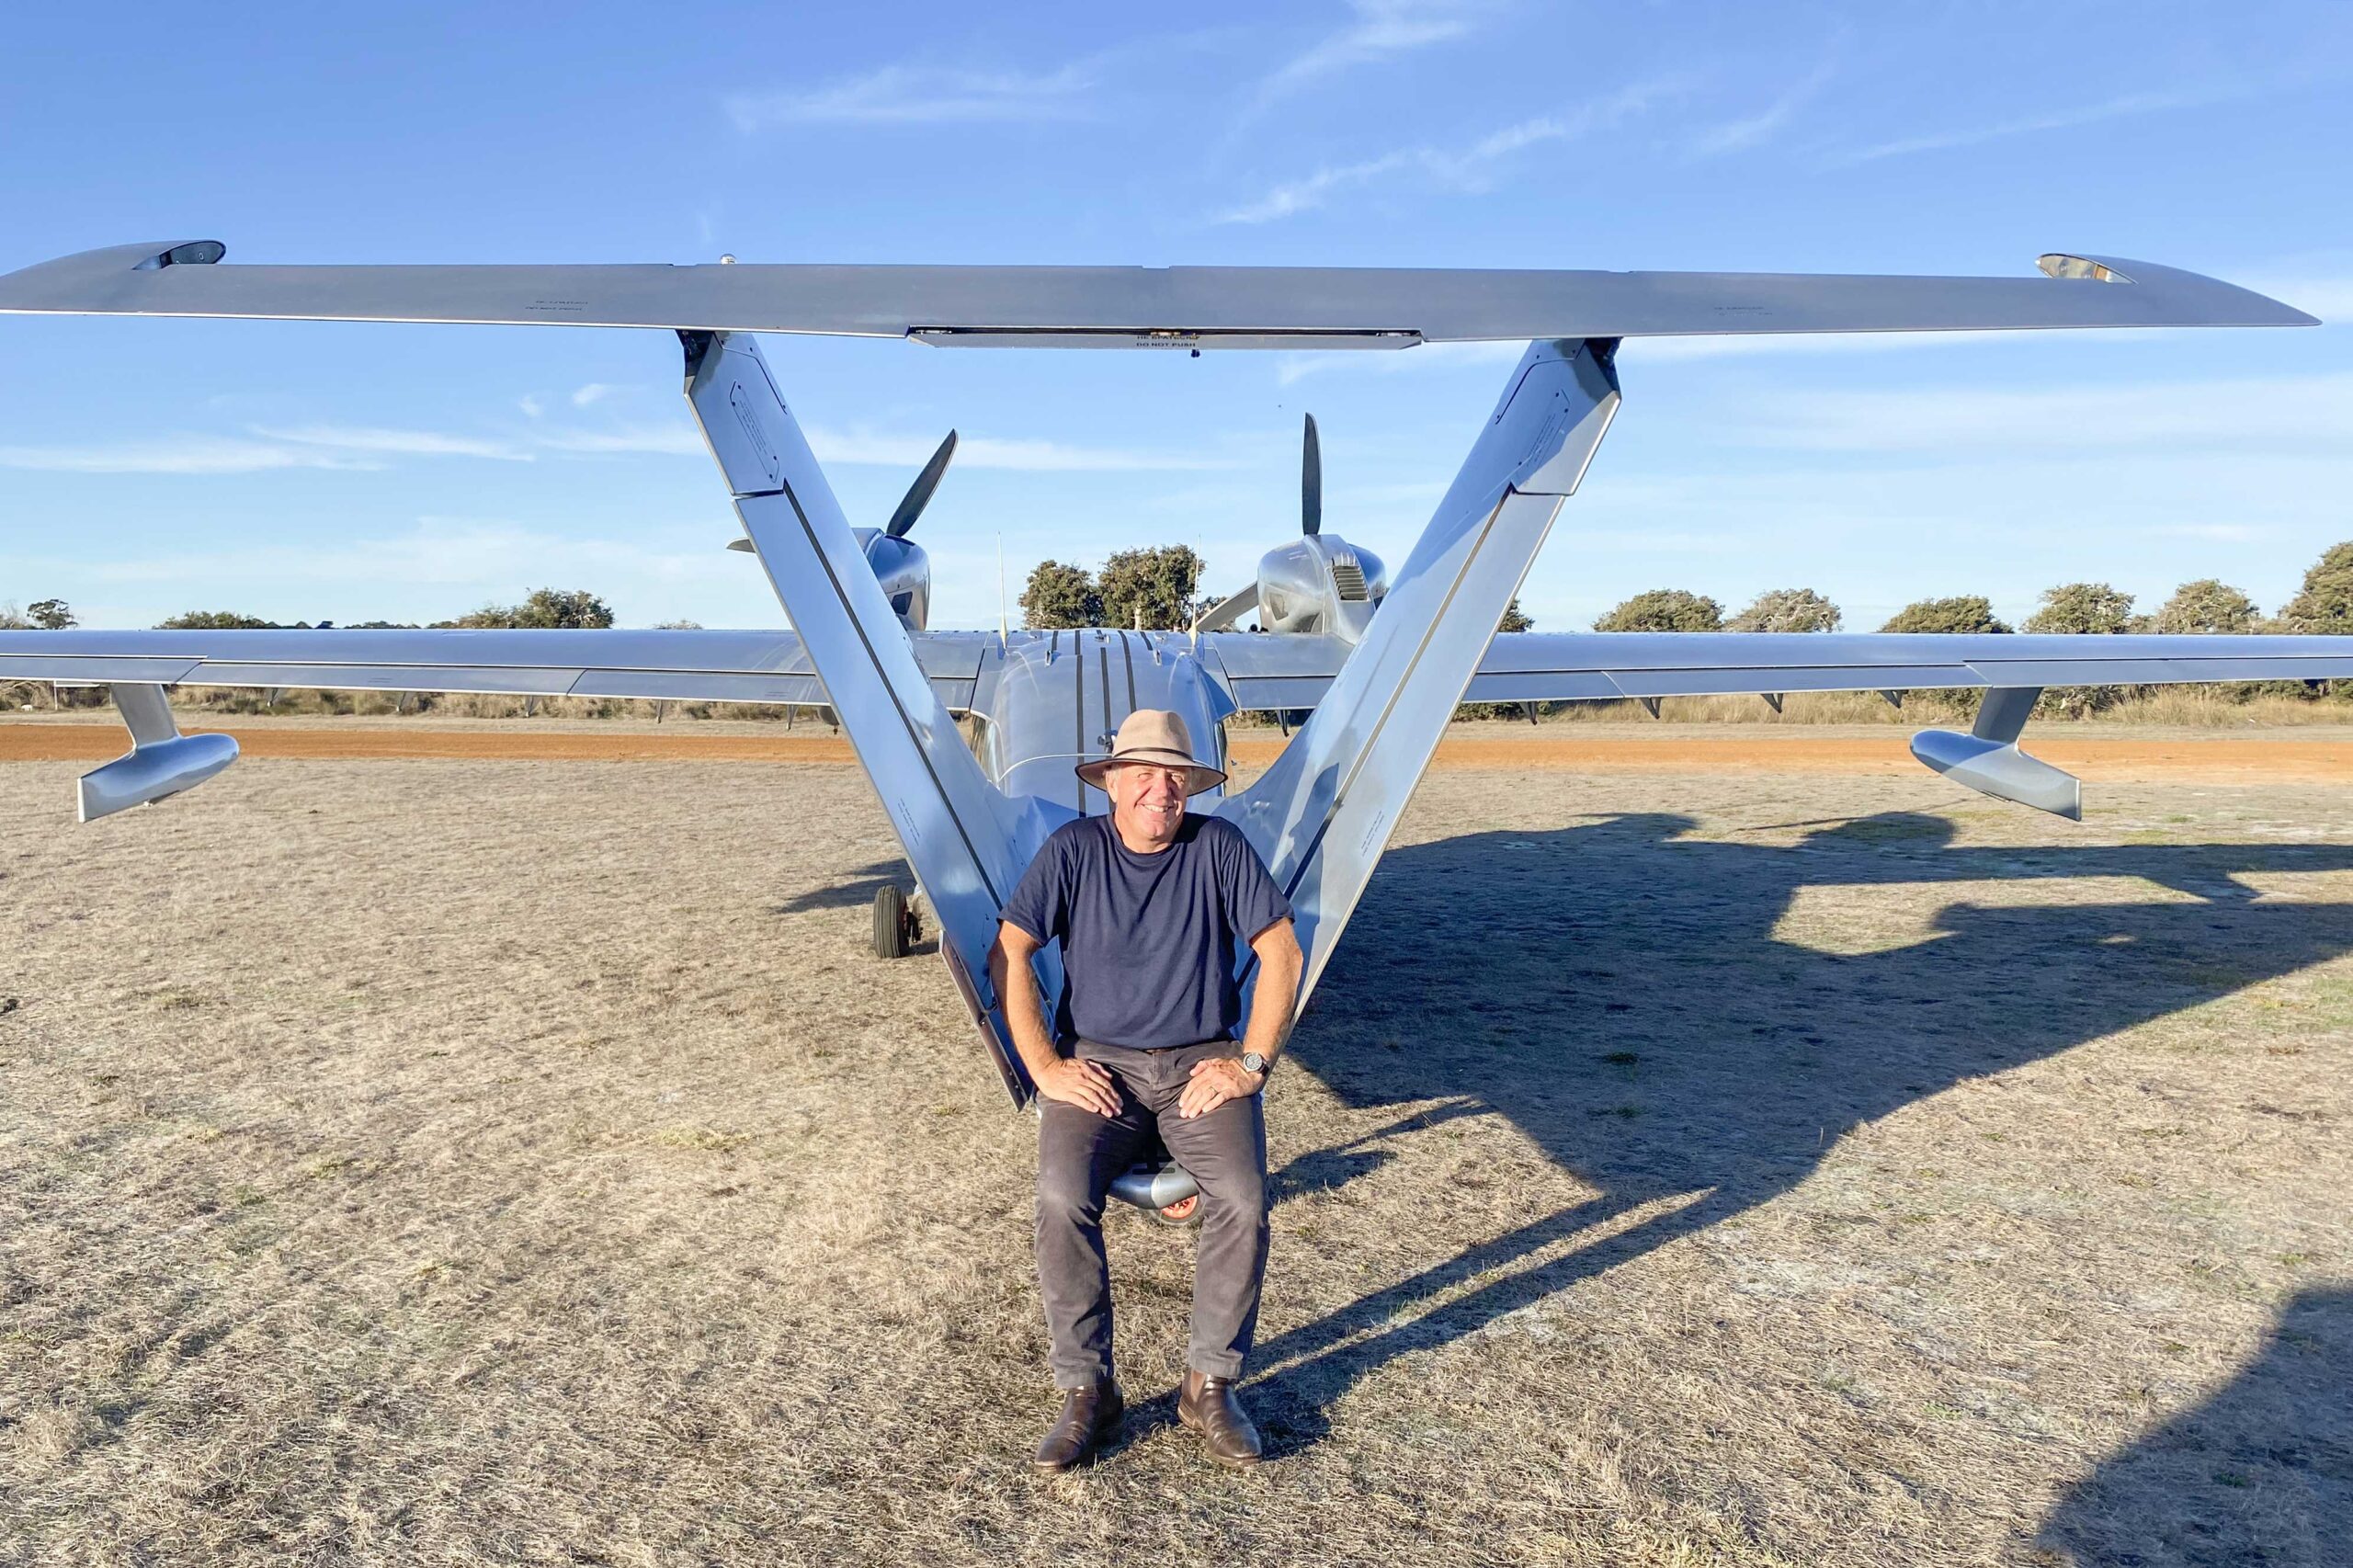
(1079, 1153)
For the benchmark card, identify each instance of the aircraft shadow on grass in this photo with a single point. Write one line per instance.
(2260, 1474)
(857, 892)
(1592, 984)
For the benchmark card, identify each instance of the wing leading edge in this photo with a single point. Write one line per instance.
(1136, 307)
(708, 666)
(1531, 666)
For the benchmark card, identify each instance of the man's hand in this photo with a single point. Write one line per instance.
(1082, 1084)
(1214, 1082)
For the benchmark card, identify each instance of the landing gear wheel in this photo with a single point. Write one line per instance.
(896, 929)
(1182, 1215)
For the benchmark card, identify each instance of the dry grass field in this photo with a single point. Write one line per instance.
(500, 1162)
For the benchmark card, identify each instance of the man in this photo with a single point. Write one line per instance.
(1149, 905)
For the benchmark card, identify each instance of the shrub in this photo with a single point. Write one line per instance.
(1664, 609)
(1787, 609)
(1968, 613)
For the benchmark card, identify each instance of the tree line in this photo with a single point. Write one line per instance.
(541, 609)
(2324, 605)
(1157, 590)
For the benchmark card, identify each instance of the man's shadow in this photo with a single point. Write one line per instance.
(2260, 1474)
(1618, 994)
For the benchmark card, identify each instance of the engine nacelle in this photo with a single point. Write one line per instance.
(1320, 583)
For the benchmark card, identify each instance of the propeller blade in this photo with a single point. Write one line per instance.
(919, 494)
(1228, 611)
(1311, 483)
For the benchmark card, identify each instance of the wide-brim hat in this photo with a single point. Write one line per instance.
(1157, 737)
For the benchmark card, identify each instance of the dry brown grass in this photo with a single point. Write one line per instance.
(483, 1162)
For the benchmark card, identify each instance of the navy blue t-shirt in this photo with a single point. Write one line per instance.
(1148, 940)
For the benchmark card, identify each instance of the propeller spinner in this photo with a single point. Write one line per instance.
(1318, 582)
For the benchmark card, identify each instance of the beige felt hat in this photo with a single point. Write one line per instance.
(1157, 737)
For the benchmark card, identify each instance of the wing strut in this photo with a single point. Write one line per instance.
(954, 826)
(1322, 814)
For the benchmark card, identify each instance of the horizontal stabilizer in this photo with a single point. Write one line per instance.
(1180, 308)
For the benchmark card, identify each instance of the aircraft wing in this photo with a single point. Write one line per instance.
(1136, 307)
(683, 665)
(1290, 672)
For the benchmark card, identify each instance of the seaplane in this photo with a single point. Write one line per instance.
(970, 737)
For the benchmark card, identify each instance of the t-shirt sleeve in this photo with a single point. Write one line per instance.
(1041, 901)
(1251, 901)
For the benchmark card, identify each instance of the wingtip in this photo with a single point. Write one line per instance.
(2231, 304)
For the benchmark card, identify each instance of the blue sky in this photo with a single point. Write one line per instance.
(351, 471)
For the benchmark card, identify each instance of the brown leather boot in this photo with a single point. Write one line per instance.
(1090, 1418)
(1210, 1406)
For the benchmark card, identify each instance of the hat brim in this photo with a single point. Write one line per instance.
(1198, 778)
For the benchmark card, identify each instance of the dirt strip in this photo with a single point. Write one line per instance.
(2220, 759)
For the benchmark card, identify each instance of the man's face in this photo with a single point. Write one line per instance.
(1147, 799)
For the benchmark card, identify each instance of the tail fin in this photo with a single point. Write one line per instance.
(956, 828)
(1321, 814)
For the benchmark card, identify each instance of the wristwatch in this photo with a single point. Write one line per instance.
(1254, 1063)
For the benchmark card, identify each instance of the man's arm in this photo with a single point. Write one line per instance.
(1274, 994)
(1274, 1002)
(1058, 1077)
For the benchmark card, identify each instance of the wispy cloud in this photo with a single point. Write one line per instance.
(2059, 119)
(918, 94)
(595, 391)
(1472, 169)
(1728, 345)
(396, 443)
(180, 454)
(859, 445)
(2310, 415)
(481, 554)
(2223, 533)
(680, 439)
(2327, 295)
(1736, 135)
(368, 448)
(1381, 29)
(531, 405)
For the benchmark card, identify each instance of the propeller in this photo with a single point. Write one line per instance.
(1310, 482)
(919, 494)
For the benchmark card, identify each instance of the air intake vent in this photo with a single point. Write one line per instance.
(1348, 577)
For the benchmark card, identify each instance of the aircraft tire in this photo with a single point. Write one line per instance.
(893, 927)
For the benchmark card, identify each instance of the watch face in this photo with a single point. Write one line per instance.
(1253, 1062)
